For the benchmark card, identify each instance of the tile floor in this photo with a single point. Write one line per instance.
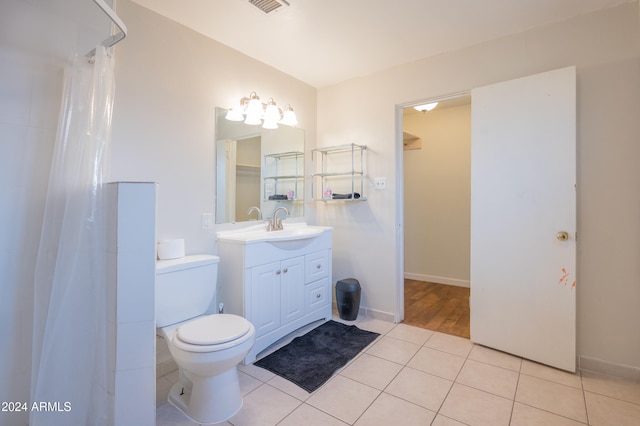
(412, 376)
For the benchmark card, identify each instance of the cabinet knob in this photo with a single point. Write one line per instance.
(285, 270)
(318, 266)
(278, 272)
(318, 296)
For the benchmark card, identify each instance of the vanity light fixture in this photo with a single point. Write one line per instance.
(252, 111)
(426, 107)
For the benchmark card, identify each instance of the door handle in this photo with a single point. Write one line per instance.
(562, 236)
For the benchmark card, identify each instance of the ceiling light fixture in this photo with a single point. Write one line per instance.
(426, 107)
(252, 111)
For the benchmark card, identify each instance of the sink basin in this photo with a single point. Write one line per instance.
(295, 238)
(291, 237)
(297, 233)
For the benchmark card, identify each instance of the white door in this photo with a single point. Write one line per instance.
(523, 217)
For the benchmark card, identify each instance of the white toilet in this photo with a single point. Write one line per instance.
(206, 348)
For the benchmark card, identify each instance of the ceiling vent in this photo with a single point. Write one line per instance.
(268, 6)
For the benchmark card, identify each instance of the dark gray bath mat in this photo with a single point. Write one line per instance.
(310, 360)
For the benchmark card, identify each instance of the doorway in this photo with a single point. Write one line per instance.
(437, 198)
(523, 216)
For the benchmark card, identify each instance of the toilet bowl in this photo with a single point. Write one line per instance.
(207, 348)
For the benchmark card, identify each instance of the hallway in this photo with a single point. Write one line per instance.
(437, 307)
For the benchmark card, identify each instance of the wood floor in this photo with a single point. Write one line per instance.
(438, 307)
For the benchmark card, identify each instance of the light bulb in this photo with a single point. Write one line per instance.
(254, 110)
(234, 114)
(289, 117)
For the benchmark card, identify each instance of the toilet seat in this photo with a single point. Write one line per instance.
(212, 333)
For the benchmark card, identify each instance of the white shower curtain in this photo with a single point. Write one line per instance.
(69, 363)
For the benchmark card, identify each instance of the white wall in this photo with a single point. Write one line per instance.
(605, 47)
(169, 80)
(437, 196)
(37, 39)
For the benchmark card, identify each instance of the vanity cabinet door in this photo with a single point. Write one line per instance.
(264, 305)
(292, 289)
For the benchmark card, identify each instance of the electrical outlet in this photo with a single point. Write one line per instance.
(381, 183)
(207, 220)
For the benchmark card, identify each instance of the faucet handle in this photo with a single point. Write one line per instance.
(269, 225)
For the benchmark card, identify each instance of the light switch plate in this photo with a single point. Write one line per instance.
(381, 183)
(207, 220)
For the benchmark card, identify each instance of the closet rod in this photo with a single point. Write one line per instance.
(114, 39)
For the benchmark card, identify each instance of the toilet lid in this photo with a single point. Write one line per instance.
(214, 329)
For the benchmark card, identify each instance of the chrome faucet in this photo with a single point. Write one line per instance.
(276, 223)
(255, 209)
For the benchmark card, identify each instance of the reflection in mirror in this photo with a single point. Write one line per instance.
(257, 167)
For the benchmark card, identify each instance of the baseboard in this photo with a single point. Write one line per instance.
(371, 313)
(381, 315)
(596, 365)
(437, 280)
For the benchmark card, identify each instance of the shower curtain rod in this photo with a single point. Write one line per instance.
(116, 38)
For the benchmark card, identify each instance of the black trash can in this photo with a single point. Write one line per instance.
(348, 298)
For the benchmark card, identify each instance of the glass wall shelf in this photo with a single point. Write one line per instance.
(283, 178)
(338, 173)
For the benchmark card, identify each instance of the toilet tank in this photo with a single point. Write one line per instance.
(185, 288)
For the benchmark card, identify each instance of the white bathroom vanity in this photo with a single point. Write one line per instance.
(278, 280)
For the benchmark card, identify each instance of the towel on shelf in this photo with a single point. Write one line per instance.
(355, 196)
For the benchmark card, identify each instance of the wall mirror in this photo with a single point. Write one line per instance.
(257, 167)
